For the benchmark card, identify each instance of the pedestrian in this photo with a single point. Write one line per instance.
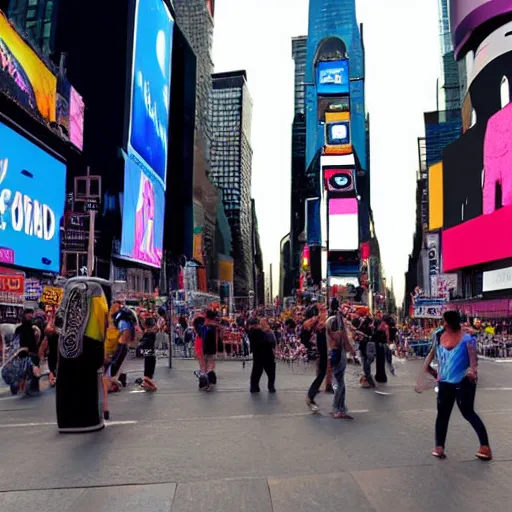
(262, 345)
(457, 375)
(29, 336)
(381, 339)
(367, 348)
(321, 344)
(339, 345)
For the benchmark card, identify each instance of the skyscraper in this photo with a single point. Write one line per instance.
(231, 168)
(450, 69)
(299, 54)
(195, 19)
(37, 19)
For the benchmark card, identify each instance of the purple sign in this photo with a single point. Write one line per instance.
(467, 15)
(6, 256)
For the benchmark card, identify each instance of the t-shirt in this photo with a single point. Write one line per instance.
(124, 325)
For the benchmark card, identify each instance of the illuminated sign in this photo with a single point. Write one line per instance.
(32, 196)
(497, 280)
(339, 180)
(12, 288)
(343, 224)
(333, 77)
(23, 75)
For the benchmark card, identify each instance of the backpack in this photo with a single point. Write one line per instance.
(124, 314)
(16, 369)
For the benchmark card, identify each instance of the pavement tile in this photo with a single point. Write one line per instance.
(471, 486)
(61, 500)
(325, 493)
(128, 498)
(249, 495)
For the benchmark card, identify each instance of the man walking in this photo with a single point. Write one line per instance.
(339, 345)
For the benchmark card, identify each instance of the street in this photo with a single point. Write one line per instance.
(181, 450)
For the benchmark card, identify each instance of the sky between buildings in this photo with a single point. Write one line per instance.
(402, 66)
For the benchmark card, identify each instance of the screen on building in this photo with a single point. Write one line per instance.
(32, 196)
(343, 225)
(76, 119)
(333, 77)
(23, 75)
(147, 148)
(337, 133)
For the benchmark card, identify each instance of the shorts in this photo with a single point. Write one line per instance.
(210, 347)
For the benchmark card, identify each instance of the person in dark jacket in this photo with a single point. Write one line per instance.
(263, 343)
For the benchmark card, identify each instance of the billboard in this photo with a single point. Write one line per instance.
(76, 119)
(497, 280)
(337, 134)
(435, 197)
(343, 224)
(467, 15)
(339, 180)
(32, 196)
(143, 217)
(148, 133)
(333, 77)
(151, 82)
(443, 285)
(23, 75)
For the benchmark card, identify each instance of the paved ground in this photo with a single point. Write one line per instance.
(180, 450)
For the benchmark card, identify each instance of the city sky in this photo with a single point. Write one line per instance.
(402, 66)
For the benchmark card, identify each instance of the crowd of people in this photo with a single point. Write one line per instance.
(332, 337)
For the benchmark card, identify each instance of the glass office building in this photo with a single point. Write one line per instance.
(231, 168)
(299, 55)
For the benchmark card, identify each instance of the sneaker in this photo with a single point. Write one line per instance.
(342, 416)
(255, 390)
(439, 452)
(484, 453)
(311, 404)
(272, 390)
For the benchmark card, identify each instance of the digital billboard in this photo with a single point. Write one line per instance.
(343, 224)
(337, 134)
(467, 15)
(76, 118)
(23, 75)
(151, 81)
(148, 133)
(32, 196)
(339, 180)
(143, 216)
(333, 77)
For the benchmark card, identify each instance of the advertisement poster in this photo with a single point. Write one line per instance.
(52, 296)
(151, 81)
(146, 165)
(12, 288)
(429, 308)
(143, 217)
(76, 119)
(443, 284)
(33, 290)
(32, 195)
(23, 75)
(333, 77)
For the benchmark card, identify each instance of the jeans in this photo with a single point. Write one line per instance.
(367, 369)
(338, 371)
(464, 394)
(322, 368)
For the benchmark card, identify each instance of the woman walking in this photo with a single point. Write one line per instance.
(455, 352)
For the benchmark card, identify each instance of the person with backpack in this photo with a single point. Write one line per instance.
(339, 345)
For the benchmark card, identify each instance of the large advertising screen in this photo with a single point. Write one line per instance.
(333, 77)
(32, 196)
(76, 119)
(343, 225)
(151, 81)
(147, 147)
(143, 217)
(23, 75)
(467, 15)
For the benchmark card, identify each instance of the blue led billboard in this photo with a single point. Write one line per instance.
(148, 133)
(143, 216)
(333, 77)
(32, 196)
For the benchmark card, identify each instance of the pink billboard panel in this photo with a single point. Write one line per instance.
(76, 119)
(343, 224)
(467, 15)
(478, 241)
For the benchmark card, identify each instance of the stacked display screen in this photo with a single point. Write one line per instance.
(343, 224)
(148, 133)
(333, 78)
(32, 196)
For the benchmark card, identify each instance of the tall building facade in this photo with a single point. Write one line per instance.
(37, 19)
(337, 134)
(299, 55)
(231, 169)
(450, 86)
(196, 19)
